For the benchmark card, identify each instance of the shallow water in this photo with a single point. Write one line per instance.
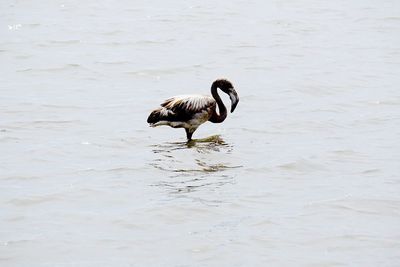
(305, 172)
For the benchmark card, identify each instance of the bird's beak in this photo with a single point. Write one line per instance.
(234, 99)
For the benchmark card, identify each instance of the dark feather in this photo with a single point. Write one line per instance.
(154, 116)
(181, 108)
(186, 107)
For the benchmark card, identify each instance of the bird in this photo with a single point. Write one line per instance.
(190, 111)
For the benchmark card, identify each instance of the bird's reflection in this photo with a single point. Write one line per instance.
(195, 165)
(209, 144)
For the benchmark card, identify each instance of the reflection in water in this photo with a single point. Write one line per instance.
(209, 144)
(194, 165)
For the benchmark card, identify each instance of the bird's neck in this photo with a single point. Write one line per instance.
(216, 118)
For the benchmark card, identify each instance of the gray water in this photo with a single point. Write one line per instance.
(305, 172)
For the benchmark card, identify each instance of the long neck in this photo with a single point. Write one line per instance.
(217, 118)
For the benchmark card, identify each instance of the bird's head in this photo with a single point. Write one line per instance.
(227, 87)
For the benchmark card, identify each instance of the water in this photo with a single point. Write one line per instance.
(305, 172)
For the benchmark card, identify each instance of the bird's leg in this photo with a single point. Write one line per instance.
(189, 134)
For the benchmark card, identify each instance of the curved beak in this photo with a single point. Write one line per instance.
(234, 99)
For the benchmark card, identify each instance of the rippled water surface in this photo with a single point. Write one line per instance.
(305, 172)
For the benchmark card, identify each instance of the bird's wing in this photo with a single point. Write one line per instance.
(188, 104)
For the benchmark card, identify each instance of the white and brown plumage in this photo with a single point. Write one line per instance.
(190, 111)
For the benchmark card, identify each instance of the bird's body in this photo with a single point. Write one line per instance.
(190, 111)
(185, 111)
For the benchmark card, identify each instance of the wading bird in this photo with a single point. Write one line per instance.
(190, 111)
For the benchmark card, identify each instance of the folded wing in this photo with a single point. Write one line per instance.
(186, 107)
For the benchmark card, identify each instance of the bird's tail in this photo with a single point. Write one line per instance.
(160, 114)
(155, 116)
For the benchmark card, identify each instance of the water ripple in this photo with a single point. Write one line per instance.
(194, 166)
